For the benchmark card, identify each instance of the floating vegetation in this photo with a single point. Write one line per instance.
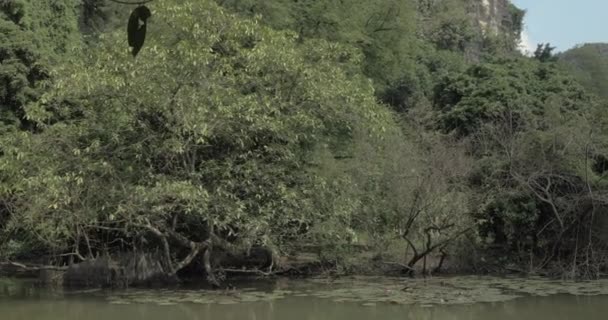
(411, 291)
(456, 290)
(370, 292)
(172, 297)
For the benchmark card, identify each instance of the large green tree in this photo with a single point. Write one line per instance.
(205, 140)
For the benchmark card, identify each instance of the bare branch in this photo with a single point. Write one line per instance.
(194, 250)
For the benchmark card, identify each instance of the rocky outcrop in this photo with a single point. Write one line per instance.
(493, 15)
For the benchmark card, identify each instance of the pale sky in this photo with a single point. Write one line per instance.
(564, 23)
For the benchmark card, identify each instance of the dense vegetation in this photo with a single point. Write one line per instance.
(372, 133)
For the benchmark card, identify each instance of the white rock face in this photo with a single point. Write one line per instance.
(492, 14)
(487, 6)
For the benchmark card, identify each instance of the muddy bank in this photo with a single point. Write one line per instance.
(147, 270)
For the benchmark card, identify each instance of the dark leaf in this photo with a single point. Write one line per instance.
(136, 28)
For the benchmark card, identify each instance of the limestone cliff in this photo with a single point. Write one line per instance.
(497, 16)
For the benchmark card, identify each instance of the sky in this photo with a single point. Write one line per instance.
(563, 23)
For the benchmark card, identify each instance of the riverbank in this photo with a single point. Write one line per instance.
(105, 272)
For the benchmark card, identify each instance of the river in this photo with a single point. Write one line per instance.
(469, 298)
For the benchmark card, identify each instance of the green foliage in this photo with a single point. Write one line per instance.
(449, 26)
(516, 87)
(265, 127)
(535, 179)
(384, 30)
(33, 36)
(544, 52)
(534, 133)
(213, 123)
(538, 181)
(99, 16)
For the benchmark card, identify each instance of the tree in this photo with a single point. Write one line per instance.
(203, 143)
(544, 52)
(544, 200)
(412, 191)
(529, 127)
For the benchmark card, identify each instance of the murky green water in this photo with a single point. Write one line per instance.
(469, 298)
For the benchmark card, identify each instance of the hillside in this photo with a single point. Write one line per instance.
(588, 63)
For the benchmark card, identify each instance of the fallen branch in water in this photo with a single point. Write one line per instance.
(250, 271)
(398, 264)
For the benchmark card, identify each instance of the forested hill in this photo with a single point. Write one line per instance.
(367, 136)
(588, 63)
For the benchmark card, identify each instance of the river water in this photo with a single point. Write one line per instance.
(316, 300)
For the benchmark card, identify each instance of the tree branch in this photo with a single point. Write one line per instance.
(195, 247)
(208, 269)
(194, 250)
(132, 3)
(409, 242)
